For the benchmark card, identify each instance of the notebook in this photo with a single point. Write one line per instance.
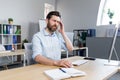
(79, 62)
(63, 73)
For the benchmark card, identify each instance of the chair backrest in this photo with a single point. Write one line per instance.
(28, 53)
(2, 48)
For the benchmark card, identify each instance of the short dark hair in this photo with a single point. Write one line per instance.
(50, 14)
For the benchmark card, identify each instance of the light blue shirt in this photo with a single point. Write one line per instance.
(47, 45)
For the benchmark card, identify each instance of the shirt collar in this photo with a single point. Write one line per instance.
(47, 34)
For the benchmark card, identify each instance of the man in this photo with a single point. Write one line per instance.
(47, 43)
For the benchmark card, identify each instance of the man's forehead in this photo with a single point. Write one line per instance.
(53, 17)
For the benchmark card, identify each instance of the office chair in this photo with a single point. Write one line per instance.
(4, 61)
(28, 53)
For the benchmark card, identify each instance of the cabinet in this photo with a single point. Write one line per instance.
(79, 38)
(99, 47)
(10, 36)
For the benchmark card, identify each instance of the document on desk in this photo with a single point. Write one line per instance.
(79, 62)
(63, 73)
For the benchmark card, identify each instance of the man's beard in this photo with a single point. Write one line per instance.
(51, 28)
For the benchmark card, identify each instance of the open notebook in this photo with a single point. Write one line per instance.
(63, 73)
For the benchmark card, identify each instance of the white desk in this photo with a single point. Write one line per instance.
(80, 48)
(10, 53)
(77, 48)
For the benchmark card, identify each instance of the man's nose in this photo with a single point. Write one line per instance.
(56, 24)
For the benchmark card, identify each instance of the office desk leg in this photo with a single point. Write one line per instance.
(12, 60)
(24, 64)
(86, 51)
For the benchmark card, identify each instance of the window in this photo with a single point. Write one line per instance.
(113, 5)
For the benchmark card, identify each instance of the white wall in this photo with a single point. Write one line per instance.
(77, 14)
(81, 14)
(24, 12)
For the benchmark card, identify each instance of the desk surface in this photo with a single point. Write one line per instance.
(94, 69)
(16, 52)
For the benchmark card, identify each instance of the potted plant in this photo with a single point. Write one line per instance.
(110, 15)
(10, 20)
(24, 41)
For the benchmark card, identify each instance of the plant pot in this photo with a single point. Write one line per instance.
(110, 22)
(10, 22)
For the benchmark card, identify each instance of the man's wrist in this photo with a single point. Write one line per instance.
(55, 63)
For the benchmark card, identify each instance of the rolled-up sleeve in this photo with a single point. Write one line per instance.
(63, 45)
(62, 42)
(36, 46)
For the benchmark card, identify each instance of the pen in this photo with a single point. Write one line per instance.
(62, 70)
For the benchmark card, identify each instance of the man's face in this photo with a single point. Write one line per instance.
(53, 23)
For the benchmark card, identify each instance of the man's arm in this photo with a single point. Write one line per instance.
(67, 42)
(66, 39)
(46, 61)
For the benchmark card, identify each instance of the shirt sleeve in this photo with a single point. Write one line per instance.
(63, 45)
(36, 46)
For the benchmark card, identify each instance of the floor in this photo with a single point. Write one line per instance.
(115, 76)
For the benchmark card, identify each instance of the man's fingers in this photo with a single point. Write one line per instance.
(65, 63)
(68, 64)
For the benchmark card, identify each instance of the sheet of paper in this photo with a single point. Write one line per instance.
(79, 62)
